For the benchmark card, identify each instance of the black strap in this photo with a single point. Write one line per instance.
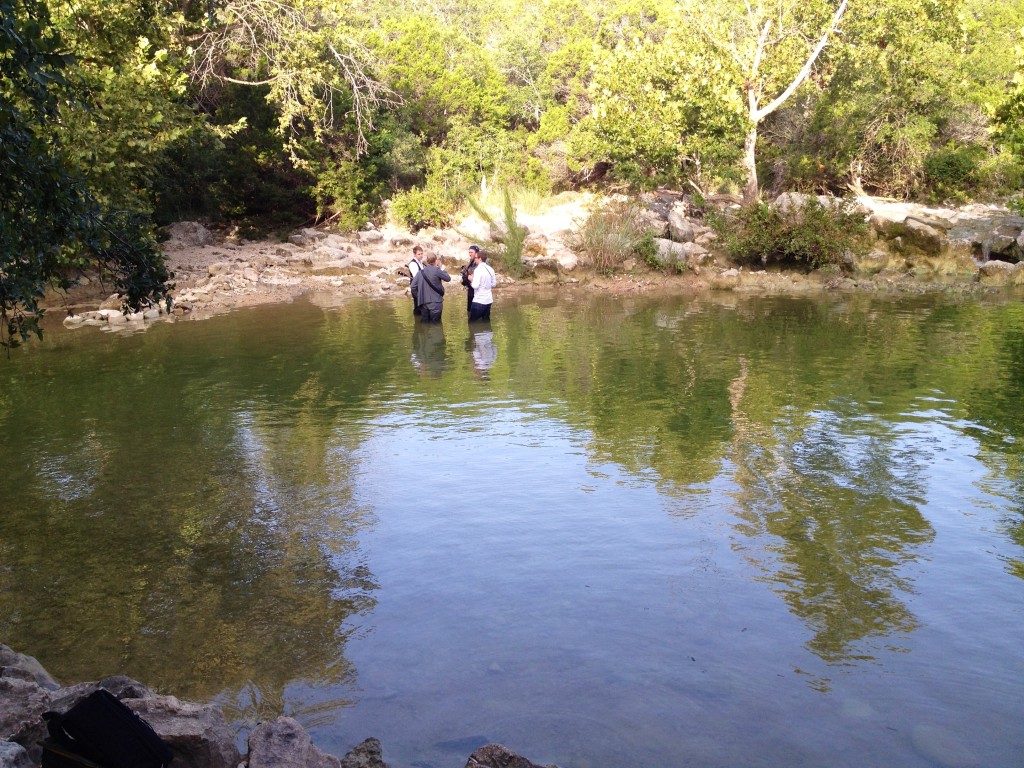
(437, 288)
(55, 728)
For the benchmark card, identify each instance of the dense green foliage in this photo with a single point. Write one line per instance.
(808, 235)
(273, 113)
(52, 219)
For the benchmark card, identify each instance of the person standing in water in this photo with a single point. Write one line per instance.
(467, 275)
(483, 281)
(429, 289)
(415, 265)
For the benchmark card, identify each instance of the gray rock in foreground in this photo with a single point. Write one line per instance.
(285, 744)
(14, 756)
(498, 756)
(198, 734)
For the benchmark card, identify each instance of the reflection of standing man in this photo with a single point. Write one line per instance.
(429, 351)
(484, 280)
(429, 290)
(484, 351)
(415, 265)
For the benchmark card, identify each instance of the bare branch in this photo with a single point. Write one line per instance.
(300, 53)
(803, 74)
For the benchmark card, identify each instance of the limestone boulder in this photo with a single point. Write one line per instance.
(886, 224)
(996, 272)
(367, 754)
(951, 260)
(113, 301)
(788, 202)
(220, 268)
(330, 253)
(988, 231)
(923, 235)
(543, 268)
(18, 665)
(671, 253)
(188, 233)
(22, 703)
(879, 259)
(497, 231)
(728, 279)
(198, 734)
(285, 744)
(697, 255)
(655, 223)
(498, 756)
(680, 228)
(13, 755)
(706, 238)
(475, 230)
(567, 260)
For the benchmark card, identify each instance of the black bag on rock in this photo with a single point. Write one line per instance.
(104, 730)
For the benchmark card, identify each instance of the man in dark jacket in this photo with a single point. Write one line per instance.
(428, 288)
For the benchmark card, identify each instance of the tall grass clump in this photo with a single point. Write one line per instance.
(613, 234)
(509, 252)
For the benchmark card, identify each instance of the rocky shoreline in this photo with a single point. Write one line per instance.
(197, 734)
(914, 249)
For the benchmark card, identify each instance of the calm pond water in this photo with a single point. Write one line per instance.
(715, 531)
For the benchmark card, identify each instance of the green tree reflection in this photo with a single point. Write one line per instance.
(234, 522)
(684, 391)
(227, 563)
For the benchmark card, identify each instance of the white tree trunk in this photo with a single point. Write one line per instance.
(751, 191)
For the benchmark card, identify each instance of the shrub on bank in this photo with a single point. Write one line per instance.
(809, 236)
(418, 208)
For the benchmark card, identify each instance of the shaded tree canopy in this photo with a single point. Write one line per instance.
(50, 218)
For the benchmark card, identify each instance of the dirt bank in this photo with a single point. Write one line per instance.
(216, 271)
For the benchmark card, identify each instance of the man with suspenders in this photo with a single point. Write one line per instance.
(415, 265)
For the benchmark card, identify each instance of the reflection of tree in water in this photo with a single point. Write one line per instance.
(652, 401)
(673, 391)
(840, 510)
(228, 565)
(996, 402)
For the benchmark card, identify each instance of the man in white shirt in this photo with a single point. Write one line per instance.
(415, 265)
(484, 280)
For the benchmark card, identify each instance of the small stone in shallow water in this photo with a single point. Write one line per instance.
(942, 748)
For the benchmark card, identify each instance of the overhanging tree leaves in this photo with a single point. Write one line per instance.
(50, 223)
(306, 52)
